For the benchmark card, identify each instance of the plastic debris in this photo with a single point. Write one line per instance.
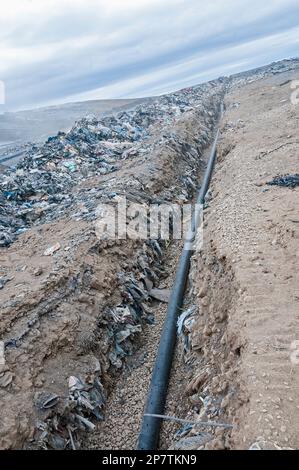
(79, 409)
(289, 181)
(162, 295)
(46, 401)
(183, 317)
(184, 326)
(51, 250)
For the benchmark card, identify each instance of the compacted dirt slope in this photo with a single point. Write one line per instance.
(245, 279)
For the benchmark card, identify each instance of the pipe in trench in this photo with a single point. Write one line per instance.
(150, 428)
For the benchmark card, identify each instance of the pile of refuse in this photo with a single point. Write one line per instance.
(44, 179)
(76, 412)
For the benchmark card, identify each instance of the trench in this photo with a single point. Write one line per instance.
(124, 409)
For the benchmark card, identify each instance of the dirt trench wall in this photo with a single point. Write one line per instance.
(214, 348)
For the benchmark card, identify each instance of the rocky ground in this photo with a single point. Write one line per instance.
(79, 318)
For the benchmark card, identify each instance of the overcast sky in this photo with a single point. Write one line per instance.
(54, 51)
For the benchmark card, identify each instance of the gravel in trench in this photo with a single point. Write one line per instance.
(125, 405)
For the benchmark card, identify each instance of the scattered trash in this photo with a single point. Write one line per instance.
(51, 250)
(193, 442)
(40, 190)
(79, 409)
(161, 294)
(184, 326)
(183, 317)
(183, 430)
(4, 280)
(45, 401)
(38, 271)
(290, 181)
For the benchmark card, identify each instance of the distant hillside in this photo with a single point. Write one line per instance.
(38, 124)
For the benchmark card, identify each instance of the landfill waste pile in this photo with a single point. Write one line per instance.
(73, 305)
(38, 189)
(243, 78)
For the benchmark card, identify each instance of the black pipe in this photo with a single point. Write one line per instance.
(149, 433)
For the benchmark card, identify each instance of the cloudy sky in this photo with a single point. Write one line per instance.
(55, 51)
